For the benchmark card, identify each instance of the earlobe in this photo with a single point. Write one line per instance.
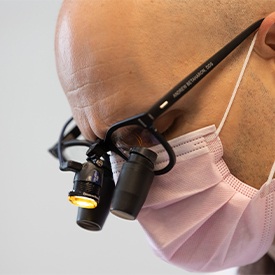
(265, 44)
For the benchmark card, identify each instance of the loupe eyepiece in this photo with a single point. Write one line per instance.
(133, 184)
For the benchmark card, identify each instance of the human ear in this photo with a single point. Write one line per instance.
(265, 44)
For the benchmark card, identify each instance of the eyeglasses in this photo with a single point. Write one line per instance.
(139, 130)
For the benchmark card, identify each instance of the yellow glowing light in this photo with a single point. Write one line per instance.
(139, 139)
(83, 202)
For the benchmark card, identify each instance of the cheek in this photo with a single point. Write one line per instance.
(165, 122)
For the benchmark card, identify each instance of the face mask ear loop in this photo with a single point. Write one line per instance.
(271, 175)
(237, 84)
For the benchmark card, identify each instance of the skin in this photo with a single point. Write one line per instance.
(116, 58)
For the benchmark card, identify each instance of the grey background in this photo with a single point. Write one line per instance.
(38, 233)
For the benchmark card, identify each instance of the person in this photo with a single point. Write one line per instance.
(116, 58)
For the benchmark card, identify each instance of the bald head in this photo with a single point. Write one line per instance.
(116, 58)
(106, 49)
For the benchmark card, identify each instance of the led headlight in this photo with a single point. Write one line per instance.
(87, 185)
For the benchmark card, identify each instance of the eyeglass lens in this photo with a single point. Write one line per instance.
(127, 137)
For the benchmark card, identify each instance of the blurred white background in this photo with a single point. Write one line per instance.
(38, 233)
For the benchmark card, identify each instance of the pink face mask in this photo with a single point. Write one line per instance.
(199, 216)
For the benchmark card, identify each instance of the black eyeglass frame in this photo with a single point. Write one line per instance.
(147, 119)
(146, 122)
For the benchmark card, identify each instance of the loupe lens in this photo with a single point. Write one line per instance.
(133, 184)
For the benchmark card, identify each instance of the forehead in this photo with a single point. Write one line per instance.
(113, 65)
(105, 72)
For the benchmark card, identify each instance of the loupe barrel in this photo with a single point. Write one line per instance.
(134, 183)
(94, 219)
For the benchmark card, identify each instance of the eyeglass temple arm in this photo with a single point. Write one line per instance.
(197, 75)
